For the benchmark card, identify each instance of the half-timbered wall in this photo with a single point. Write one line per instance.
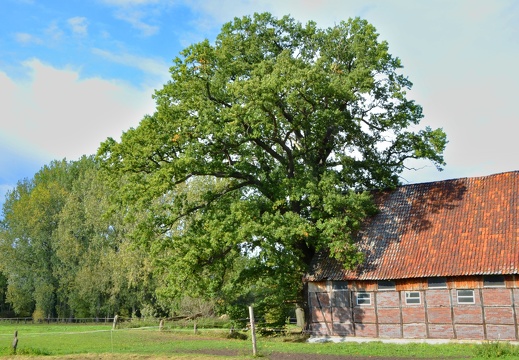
(462, 308)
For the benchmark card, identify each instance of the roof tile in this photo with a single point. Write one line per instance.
(455, 227)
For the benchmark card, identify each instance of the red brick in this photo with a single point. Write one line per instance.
(440, 315)
(320, 314)
(470, 332)
(323, 299)
(499, 315)
(415, 331)
(516, 296)
(438, 298)
(389, 315)
(388, 299)
(343, 329)
(389, 331)
(441, 331)
(496, 297)
(468, 315)
(501, 332)
(341, 298)
(364, 315)
(413, 315)
(366, 330)
(319, 329)
(318, 299)
(341, 315)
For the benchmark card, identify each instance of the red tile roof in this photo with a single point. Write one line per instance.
(456, 227)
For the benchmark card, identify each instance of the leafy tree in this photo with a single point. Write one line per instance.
(100, 273)
(3, 289)
(263, 146)
(63, 252)
(31, 215)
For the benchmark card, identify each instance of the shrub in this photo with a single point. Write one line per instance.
(495, 349)
(38, 315)
(237, 335)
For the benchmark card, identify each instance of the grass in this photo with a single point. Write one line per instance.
(100, 342)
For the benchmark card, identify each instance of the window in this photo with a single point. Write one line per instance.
(386, 285)
(363, 298)
(466, 297)
(412, 297)
(493, 281)
(437, 283)
(339, 285)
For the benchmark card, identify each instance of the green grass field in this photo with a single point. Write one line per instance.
(100, 342)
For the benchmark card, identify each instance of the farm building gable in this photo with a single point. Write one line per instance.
(455, 227)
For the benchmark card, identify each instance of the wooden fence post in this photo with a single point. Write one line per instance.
(115, 322)
(252, 331)
(15, 341)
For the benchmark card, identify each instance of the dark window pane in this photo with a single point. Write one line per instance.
(340, 285)
(386, 285)
(493, 280)
(437, 282)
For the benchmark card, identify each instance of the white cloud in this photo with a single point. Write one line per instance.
(155, 67)
(325, 13)
(135, 19)
(26, 39)
(54, 32)
(135, 12)
(56, 114)
(79, 25)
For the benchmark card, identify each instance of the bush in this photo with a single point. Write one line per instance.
(38, 315)
(495, 349)
(237, 335)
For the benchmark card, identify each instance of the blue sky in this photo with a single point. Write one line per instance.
(74, 72)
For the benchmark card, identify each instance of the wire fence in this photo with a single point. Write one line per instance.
(30, 320)
(202, 322)
(59, 337)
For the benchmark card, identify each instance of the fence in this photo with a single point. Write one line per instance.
(98, 335)
(30, 320)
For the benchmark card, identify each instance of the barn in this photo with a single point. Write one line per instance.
(441, 262)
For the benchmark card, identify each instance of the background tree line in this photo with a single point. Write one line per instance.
(262, 151)
(63, 253)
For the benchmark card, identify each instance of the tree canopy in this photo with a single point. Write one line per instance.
(62, 253)
(265, 144)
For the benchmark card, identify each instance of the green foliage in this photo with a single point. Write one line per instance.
(262, 151)
(64, 253)
(238, 335)
(31, 213)
(38, 315)
(496, 349)
(5, 310)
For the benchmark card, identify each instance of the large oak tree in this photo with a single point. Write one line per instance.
(264, 145)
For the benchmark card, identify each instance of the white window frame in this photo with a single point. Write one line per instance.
(465, 297)
(363, 298)
(408, 297)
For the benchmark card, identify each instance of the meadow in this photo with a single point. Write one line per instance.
(99, 341)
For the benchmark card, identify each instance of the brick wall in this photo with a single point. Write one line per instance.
(438, 315)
